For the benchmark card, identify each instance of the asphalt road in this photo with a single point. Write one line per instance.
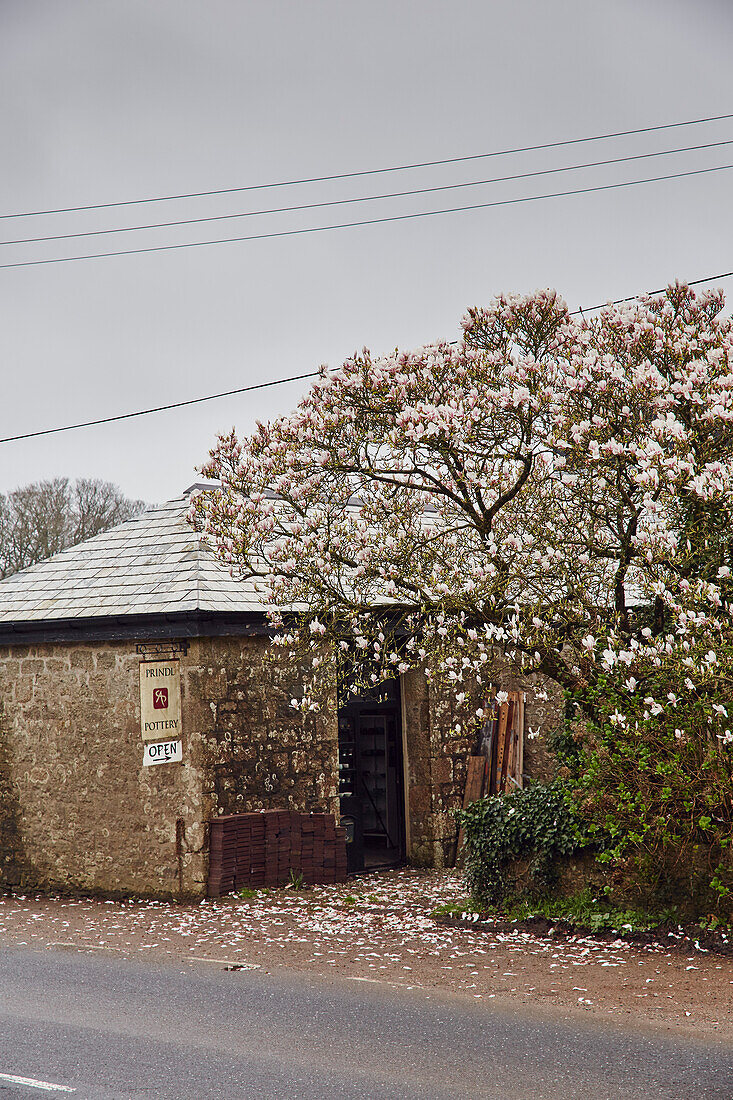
(108, 1027)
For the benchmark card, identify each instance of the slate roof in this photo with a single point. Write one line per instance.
(152, 564)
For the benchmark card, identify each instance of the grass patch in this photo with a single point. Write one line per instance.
(456, 908)
(588, 910)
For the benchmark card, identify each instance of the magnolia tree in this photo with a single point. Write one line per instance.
(554, 487)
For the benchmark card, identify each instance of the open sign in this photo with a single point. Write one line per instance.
(162, 752)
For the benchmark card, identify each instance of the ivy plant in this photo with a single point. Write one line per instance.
(530, 828)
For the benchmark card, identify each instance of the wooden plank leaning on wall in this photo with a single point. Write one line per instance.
(498, 767)
(501, 745)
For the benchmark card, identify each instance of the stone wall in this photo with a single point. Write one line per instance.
(79, 812)
(419, 770)
(260, 753)
(437, 756)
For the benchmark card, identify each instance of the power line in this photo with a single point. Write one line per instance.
(634, 297)
(365, 198)
(366, 221)
(278, 381)
(159, 408)
(368, 171)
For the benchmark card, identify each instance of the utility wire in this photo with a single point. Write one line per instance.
(635, 297)
(160, 408)
(277, 381)
(365, 198)
(368, 171)
(366, 221)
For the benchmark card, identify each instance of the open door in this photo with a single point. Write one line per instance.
(371, 779)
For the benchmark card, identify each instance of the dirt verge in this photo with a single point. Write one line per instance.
(379, 929)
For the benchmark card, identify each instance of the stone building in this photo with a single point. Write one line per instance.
(139, 639)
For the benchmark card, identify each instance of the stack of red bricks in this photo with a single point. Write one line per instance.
(266, 849)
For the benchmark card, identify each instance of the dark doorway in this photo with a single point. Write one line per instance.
(371, 786)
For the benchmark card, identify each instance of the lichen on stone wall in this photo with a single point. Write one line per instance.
(91, 818)
(260, 752)
(14, 863)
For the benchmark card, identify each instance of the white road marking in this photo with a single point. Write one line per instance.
(224, 962)
(379, 981)
(82, 946)
(31, 1082)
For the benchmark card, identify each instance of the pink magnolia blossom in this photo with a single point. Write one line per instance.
(525, 489)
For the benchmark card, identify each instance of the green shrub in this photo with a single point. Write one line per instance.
(530, 829)
(655, 789)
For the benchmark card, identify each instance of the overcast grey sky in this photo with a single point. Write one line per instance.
(112, 100)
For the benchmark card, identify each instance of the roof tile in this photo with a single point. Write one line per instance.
(151, 564)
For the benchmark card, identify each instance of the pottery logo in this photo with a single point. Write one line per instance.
(160, 698)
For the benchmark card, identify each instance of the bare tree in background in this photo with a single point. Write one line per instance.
(44, 518)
